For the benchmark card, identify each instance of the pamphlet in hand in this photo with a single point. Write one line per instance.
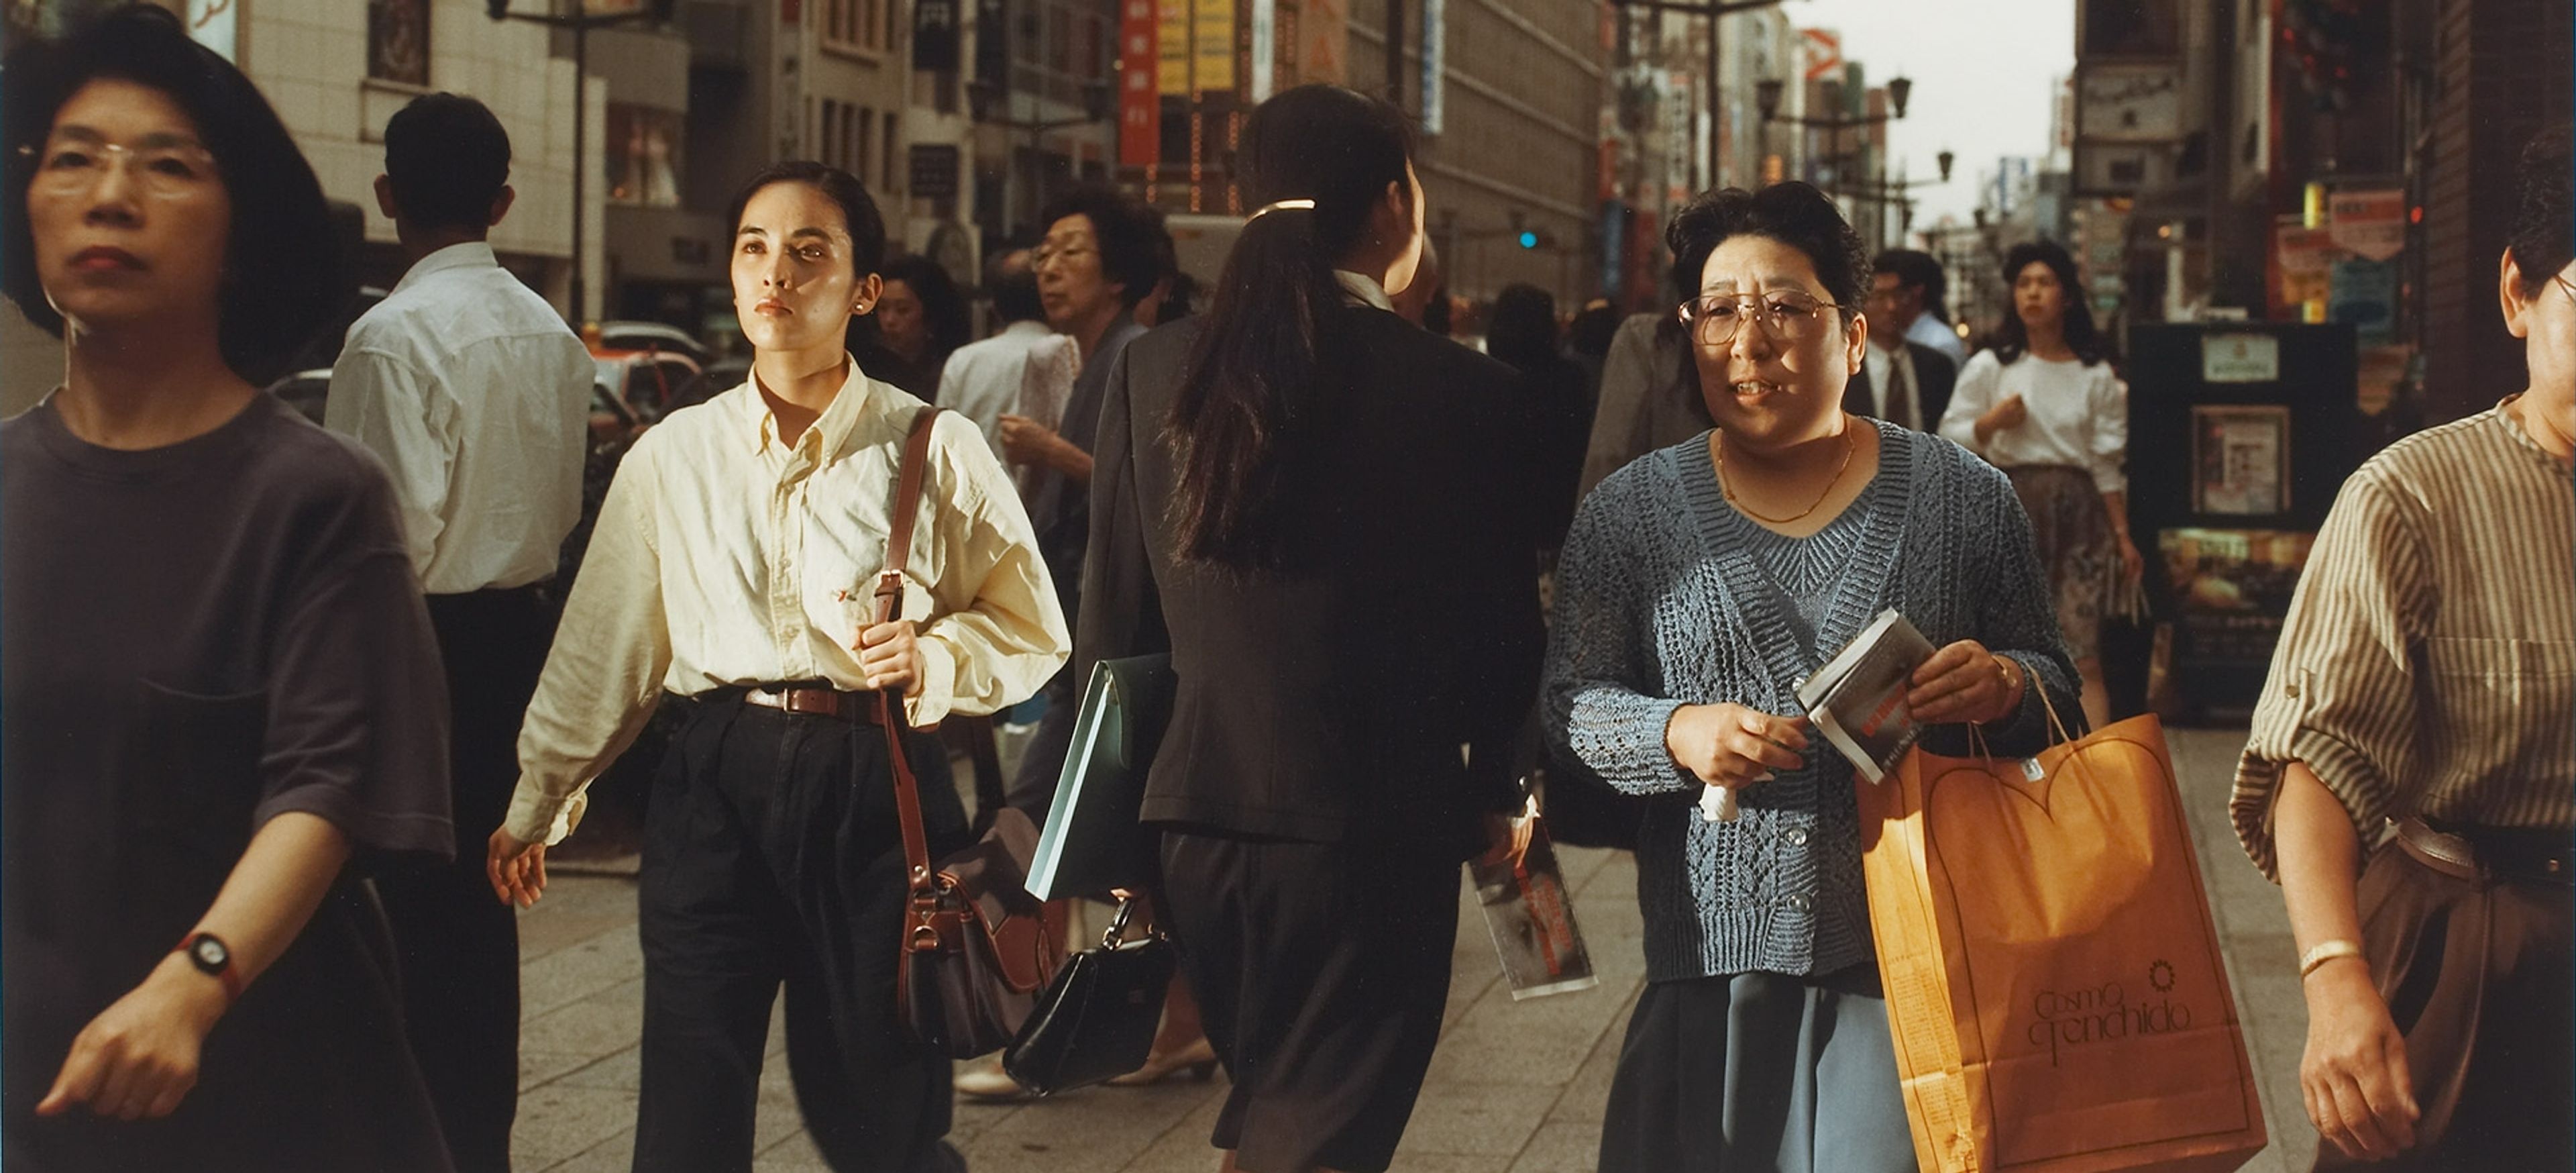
(1532, 921)
(1857, 700)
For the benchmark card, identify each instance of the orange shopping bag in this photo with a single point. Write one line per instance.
(2053, 978)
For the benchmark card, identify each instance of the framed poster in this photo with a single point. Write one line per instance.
(2240, 460)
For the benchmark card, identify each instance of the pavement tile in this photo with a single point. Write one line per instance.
(1479, 1120)
(602, 1024)
(1561, 1147)
(537, 1068)
(614, 1155)
(580, 970)
(623, 1071)
(1585, 1096)
(557, 1123)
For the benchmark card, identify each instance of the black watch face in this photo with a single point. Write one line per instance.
(209, 954)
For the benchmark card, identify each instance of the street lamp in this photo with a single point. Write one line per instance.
(990, 103)
(580, 21)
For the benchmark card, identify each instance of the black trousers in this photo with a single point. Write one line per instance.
(1322, 974)
(772, 855)
(457, 943)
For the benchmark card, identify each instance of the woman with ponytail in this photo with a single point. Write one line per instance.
(1323, 514)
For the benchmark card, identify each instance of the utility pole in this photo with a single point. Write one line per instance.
(580, 22)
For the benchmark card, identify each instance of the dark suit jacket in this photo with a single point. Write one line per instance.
(1934, 377)
(1329, 700)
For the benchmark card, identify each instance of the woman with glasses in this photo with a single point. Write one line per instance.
(2045, 407)
(1700, 584)
(224, 700)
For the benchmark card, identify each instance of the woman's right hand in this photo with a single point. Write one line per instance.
(1734, 746)
(2003, 416)
(2353, 1076)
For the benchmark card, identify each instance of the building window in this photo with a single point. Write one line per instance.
(859, 163)
(398, 41)
(843, 24)
(885, 166)
(849, 144)
(643, 156)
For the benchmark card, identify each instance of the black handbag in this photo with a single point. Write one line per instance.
(1098, 1020)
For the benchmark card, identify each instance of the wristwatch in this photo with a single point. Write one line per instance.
(213, 958)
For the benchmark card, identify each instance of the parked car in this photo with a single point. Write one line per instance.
(304, 391)
(651, 336)
(646, 381)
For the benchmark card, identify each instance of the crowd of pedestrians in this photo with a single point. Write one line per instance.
(297, 699)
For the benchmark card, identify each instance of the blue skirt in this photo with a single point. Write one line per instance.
(1758, 1071)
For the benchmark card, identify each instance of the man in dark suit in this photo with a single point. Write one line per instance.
(1903, 382)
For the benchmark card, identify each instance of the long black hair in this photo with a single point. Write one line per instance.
(944, 313)
(1251, 377)
(284, 270)
(2012, 340)
(1521, 331)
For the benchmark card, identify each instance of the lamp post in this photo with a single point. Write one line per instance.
(989, 101)
(580, 21)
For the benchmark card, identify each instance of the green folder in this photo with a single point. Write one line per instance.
(1092, 842)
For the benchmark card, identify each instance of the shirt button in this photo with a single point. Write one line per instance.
(2291, 690)
(1794, 836)
(1800, 902)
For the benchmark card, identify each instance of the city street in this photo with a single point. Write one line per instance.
(1514, 1088)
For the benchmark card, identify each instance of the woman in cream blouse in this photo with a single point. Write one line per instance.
(731, 567)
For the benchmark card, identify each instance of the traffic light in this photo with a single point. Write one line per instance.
(1529, 239)
(496, 9)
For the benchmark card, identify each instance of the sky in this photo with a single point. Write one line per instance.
(1981, 72)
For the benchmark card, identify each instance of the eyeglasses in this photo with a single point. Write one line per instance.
(72, 164)
(1785, 317)
(1043, 255)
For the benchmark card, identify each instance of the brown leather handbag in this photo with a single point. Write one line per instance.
(977, 948)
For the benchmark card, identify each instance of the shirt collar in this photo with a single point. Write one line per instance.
(1034, 327)
(2514, 428)
(473, 254)
(828, 430)
(1364, 289)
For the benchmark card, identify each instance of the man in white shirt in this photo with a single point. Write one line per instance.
(1025, 370)
(1909, 285)
(476, 395)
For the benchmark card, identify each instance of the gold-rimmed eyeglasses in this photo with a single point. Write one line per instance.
(166, 166)
(1714, 319)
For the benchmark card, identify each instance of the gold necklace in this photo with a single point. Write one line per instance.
(1851, 444)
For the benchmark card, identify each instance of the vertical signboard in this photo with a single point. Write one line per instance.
(1435, 54)
(1323, 42)
(1265, 48)
(1140, 105)
(1212, 46)
(1172, 48)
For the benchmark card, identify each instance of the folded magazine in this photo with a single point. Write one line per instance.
(1857, 700)
(1531, 918)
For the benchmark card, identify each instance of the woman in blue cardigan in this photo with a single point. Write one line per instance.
(1699, 585)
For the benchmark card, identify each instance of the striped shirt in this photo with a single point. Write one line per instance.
(2428, 664)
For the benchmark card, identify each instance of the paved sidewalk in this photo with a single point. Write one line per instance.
(1514, 1088)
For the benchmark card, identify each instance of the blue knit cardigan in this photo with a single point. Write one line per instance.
(1658, 605)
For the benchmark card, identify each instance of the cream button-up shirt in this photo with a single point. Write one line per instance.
(725, 555)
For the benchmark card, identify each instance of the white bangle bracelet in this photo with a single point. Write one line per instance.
(2326, 951)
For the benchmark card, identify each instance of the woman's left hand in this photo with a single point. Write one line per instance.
(138, 1058)
(1965, 682)
(2132, 563)
(1507, 837)
(890, 656)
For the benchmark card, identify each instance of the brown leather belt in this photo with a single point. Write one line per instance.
(815, 700)
(2485, 854)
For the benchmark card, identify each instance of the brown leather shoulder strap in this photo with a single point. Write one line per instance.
(906, 509)
(890, 715)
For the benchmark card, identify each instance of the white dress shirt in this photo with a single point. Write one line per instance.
(1928, 331)
(1877, 363)
(2078, 415)
(1026, 370)
(477, 397)
(725, 555)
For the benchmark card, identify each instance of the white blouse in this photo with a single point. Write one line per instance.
(2078, 415)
